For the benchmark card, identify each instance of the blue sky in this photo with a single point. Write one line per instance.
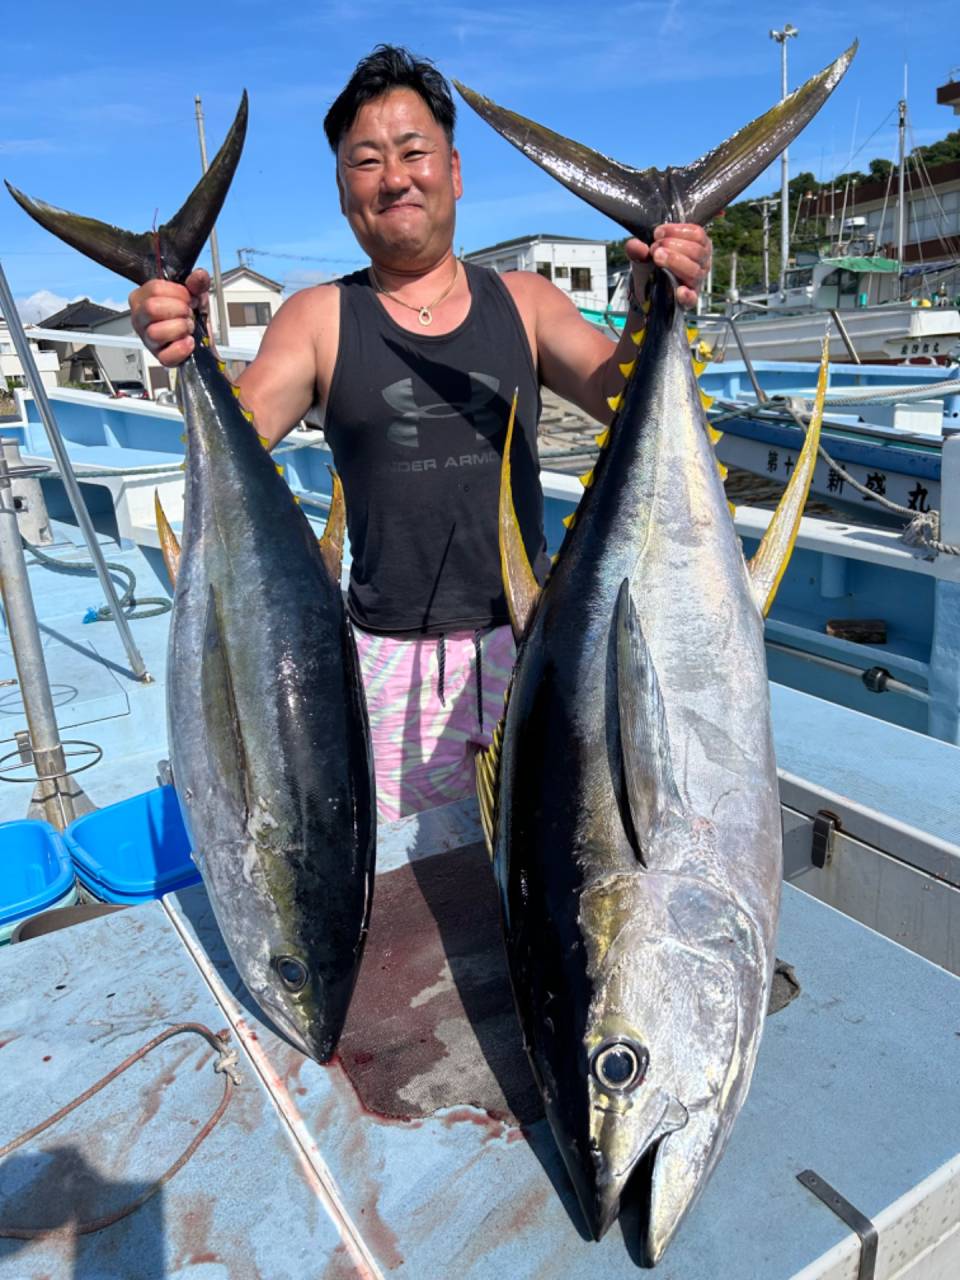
(97, 112)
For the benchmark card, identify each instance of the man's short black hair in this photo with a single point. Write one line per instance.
(390, 67)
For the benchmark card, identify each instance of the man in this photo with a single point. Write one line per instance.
(413, 363)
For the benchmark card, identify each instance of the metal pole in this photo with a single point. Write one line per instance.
(781, 38)
(842, 330)
(901, 200)
(223, 329)
(32, 374)
(766, 247)
(27, 648)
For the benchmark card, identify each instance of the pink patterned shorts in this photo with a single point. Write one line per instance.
(431, 706)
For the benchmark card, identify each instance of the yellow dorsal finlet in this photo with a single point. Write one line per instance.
(714, 435)
(705, 400)
(638, 335)
(603, 439)
(628, 367)
(569, 521)
(586, 479)
(487, 763)
(615, 401)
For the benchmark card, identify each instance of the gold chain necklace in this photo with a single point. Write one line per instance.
(425, 313)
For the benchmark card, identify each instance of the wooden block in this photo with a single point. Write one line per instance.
(859, 630)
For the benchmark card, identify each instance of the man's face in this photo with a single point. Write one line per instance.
(399, 181)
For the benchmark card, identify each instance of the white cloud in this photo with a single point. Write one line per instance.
(45, 303)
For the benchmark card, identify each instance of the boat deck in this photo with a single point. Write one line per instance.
(421, 1150)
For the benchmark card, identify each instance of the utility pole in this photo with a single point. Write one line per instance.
(765, 205)
(223, 329)
(781, 38)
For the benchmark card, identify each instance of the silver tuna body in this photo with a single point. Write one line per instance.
(638, 840)
(267, 725)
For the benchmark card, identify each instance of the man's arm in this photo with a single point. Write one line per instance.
(575, 358)
(296, 357)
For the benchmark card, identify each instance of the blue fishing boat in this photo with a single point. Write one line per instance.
(882, 438)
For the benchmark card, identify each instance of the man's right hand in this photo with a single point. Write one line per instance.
(163, 314)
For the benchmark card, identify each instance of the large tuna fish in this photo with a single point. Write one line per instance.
(631, 791)
(267, 721)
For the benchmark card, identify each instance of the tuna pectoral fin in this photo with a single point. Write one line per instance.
(648, 772)
(169, 545)
(771, 558)
(178, 242)
(639, 200)
(331, 544)
(519, 583)
(220, 715)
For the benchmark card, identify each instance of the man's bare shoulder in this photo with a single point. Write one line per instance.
(319, 304)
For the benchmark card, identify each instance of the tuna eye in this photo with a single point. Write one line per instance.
(619, 1065)
(293, 972)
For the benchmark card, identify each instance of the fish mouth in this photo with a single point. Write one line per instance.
(631, 1185)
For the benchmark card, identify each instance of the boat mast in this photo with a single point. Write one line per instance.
(781, 38)
(901, 198)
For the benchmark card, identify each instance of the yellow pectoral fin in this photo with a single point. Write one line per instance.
(169, 545)
(331, 544)
(773, 554)
(519, 582)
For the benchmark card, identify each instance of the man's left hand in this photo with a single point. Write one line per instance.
(682, 248)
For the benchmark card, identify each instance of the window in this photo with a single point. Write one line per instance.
(562, 273)
(545, 269)
(243, 314)
(580, 279)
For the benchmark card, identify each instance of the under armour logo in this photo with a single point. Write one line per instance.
(477, 409)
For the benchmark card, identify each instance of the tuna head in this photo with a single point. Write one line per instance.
(668, 1044)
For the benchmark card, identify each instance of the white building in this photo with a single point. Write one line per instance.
(252, 300)
(578, 267)
(11, 370)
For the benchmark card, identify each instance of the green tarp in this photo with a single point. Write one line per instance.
(885, 266)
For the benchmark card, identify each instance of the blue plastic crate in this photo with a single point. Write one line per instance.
(35, 871)
(135, 850)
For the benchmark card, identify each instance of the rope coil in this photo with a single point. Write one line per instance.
(226, 1064)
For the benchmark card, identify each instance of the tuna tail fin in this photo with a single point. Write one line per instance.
(642, 199)
(519, 581)
(771, 558)
(171, 251)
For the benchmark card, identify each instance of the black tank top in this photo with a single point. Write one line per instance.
(416, 424)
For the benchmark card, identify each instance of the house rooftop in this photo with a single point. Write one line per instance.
(82, 314)
(534, 239)
(235, 272)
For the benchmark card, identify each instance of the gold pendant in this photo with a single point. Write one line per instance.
(426, 316)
